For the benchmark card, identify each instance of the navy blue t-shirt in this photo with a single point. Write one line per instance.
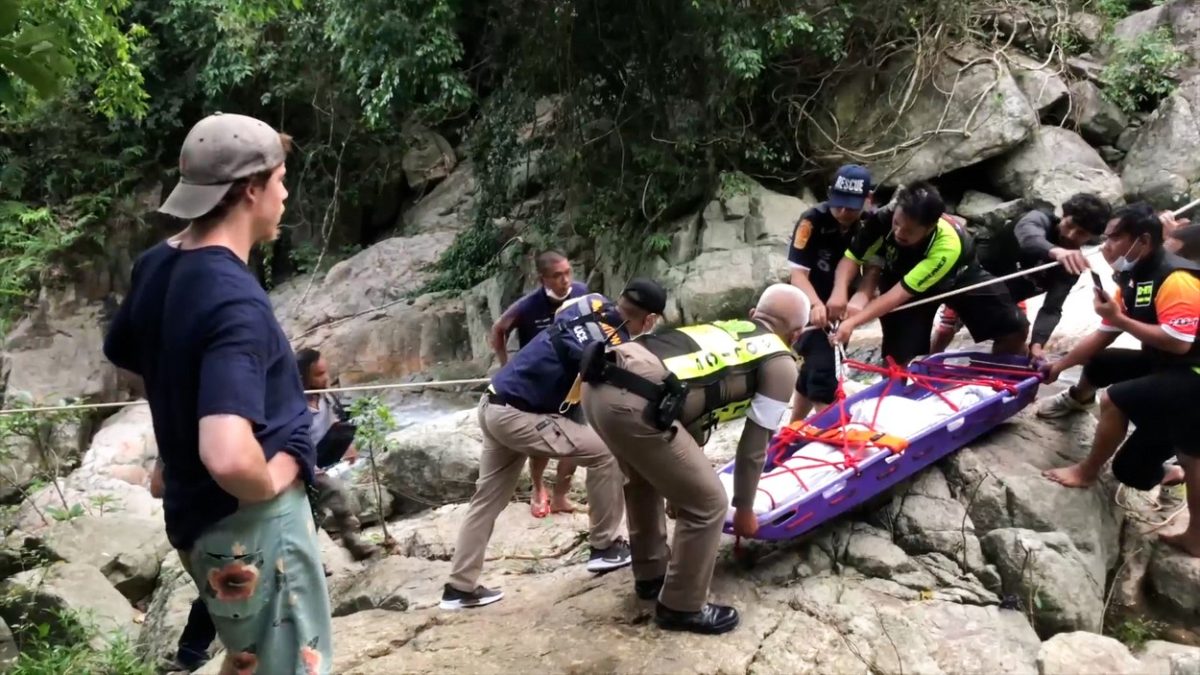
(199, 329)
(535, 311)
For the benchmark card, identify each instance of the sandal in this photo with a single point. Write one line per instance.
(541, 507)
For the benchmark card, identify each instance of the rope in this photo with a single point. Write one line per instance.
(365, 387)
(1033, 270)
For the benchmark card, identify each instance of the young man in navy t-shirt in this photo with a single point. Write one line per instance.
(529, 316)
(228, 409)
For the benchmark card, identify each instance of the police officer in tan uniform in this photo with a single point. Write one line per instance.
(641, 397)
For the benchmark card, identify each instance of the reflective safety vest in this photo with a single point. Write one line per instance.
(705, 355)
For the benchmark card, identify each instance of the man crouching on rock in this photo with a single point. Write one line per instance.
(1157, 301)
(525, 414)
(229, 412)
(641, 397)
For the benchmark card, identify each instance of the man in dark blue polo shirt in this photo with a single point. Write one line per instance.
(532, 313)
(529, 316)
(227, 405)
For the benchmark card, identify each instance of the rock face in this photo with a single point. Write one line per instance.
(39, 596)
(1180, 17)
(124, 448)
(984, 114)
(1171, 574)
(127, 551)
(429, 157)
(435, 463)
(1042, 86)
(990, 212)
(1163, 166)
(721, 259)
(63, 329)
(1053, 165)
(88, 493)
(167, 612)
(1099, 120)
(1081, 652)
(1045, 570)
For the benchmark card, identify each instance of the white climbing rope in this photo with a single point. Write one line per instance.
(364, 387)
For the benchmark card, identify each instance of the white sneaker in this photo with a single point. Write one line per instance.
(1062, 404)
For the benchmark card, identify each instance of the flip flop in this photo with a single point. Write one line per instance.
(541, 508)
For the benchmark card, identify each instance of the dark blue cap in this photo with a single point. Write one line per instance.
(850, 187)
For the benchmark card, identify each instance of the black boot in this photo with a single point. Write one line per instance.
(710, 620)
(648, 589)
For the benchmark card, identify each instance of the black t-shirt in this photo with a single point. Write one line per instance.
(818, 242)
(930, 266)
(199, 329)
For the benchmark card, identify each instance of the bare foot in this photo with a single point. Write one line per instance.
(1174, 476)
(561, 504)
(1186, 541)
(539, 504)
(1073, 476)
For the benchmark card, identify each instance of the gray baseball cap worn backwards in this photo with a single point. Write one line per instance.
(218, 151)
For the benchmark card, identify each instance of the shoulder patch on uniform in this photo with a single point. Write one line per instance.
(803, 232)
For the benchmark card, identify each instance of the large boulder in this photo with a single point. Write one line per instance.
(1042, 85)
(1180, 17)
(448, 207)
(428, 157)
(1053, 165)
(1158, 656)
(127, 550)
(719, 260)
(988, 211)
(1173, 578)
(1098, 119)
(124, 449)
(434, 463)
(1046, 571)
(56, 351)
(86, 495)
(1083, 652)
(969, 109)
(35, 448)
(1163, 166)
(65, 591)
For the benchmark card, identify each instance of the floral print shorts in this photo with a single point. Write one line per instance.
(259, 573)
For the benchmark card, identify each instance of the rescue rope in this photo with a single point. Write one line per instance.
(1021, 273)
(364, 387)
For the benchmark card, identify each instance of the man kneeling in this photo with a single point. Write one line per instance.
(1156, 388)
(641, 396)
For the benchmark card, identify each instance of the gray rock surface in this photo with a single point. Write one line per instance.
(43, 595)
(1053, 165)
(1163, 164)
(1082, 652)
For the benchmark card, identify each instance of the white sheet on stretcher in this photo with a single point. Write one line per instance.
(897, 416)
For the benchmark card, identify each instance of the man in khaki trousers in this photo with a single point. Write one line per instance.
(746, 364)
(524, 414)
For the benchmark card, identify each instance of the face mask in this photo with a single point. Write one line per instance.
(556, 296)
(1124, 263)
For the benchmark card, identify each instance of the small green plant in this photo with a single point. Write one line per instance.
(1135, 631)
(66, 514)
(1111, 9)
(40, 429)
(64, 649)
(104, 502)
(1142, 72)
(374, 422)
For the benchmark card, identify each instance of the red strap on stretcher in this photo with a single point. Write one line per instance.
(854, 443)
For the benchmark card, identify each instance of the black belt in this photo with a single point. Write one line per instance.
(500, 399)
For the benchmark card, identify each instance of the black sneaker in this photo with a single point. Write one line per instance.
(711, 620)
(648, 589)
(452, 598)
(615, 556)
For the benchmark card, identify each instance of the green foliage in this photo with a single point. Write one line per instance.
(28, 239)
(48, 44)
(1142, 72)
(64, 649)
(1135, 631)
(374, 423)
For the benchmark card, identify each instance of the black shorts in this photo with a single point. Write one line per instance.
(988, 313)
(818, 371)
(1159, 399)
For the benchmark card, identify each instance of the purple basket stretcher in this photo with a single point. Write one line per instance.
(803, 512)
